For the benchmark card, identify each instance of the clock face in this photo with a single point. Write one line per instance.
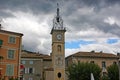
(59, 36)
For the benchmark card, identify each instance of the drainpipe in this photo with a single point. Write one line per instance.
(19, 58)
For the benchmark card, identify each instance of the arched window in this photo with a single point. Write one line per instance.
(59, 48)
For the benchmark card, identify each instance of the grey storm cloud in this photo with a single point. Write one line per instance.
(77, 15)
(48, 5)
(36, 6)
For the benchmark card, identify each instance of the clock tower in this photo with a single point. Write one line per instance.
(58, 47)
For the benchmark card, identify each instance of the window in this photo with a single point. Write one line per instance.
(1, 42)
(92, 62)
(59, 48)
(12, 39)
(30, 70)
(10, 70)
(114, 62)
(11, 54)
(59, 75)
(23, 62)
(24, 71)
(31, 62)
(103, 64)
(23, 78)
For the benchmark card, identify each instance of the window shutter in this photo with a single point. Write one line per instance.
(26, 70)
(33, 70)
(10, 70)
(7, 70)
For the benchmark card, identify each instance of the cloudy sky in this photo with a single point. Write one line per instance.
(91, 24)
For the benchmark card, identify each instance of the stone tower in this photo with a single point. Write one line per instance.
(58, 47)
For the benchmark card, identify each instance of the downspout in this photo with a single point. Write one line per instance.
(19, 58)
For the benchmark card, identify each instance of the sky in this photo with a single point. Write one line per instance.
(91, 24)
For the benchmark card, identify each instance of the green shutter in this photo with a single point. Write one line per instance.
(10, 70)
(1, 42)
(11, 54)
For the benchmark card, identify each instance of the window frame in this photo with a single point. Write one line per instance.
(59, 48)
(8, 57)
(23, 62)
(103, 64)
(30, 62)
(115, 62)
(9, 68)
(92, 62)
(12, 41)
(31, 72)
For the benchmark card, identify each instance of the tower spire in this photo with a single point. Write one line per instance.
(57, 21)
(57, 18)
(57, 10)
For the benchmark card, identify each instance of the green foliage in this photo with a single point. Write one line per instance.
(105, 77)
(11, 79)
(113, 72)
(82, 71)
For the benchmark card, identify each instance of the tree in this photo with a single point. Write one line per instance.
(113, 72)
(82, 71)
(105, 77)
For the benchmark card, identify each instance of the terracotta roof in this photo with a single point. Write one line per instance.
(94, 54)
(29, 54)
(47, 58)
(10, 32)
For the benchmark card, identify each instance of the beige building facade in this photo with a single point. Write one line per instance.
(102, 59)
(39, 66)
(34, 65)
